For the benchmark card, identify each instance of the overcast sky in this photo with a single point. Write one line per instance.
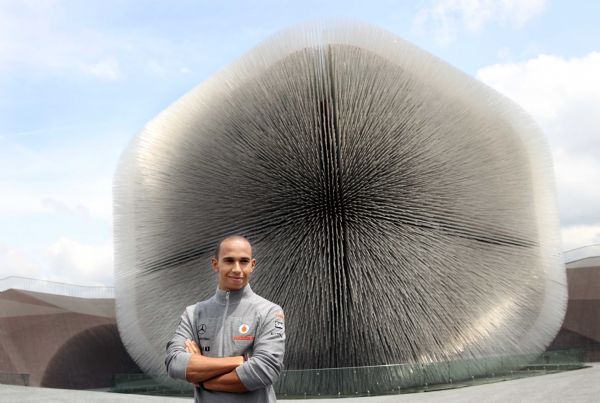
(78, 79)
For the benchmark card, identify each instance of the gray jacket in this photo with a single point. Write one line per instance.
(231, 324)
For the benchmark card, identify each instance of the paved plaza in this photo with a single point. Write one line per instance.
(581, 385)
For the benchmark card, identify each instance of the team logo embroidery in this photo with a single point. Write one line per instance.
(244, 328)
(202, 329)
(278, 325)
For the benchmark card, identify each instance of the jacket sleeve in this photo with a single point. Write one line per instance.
(263, 368)
(177, 359)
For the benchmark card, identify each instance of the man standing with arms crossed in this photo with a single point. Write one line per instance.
(230, 346)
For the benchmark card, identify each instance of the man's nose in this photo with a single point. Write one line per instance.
(237, 266)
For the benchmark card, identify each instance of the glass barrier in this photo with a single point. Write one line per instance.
(405, 378)
(14, 379)
(384, 379)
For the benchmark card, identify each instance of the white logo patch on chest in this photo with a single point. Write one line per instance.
(244, 328)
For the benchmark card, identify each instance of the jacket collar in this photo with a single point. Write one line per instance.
(234, 296)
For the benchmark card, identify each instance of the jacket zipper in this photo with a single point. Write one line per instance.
(222, 346)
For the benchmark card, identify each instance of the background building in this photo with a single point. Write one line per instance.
(581, 327)
(58, 335)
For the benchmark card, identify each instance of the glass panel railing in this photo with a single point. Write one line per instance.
(142, 384)
(384, 379)
(14, 379)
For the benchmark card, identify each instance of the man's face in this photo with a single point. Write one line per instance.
(234, 265)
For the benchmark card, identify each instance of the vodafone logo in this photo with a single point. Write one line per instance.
(244, 328)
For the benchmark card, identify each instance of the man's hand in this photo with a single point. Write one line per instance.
(224, 382)
(201, 368)
(192, 347)
(229, 382)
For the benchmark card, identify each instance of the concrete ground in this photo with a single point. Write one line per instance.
(582, 385)
(28, 394)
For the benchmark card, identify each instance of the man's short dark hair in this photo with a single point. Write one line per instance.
(239, 237)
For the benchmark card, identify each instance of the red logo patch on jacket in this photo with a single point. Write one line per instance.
(243, 337)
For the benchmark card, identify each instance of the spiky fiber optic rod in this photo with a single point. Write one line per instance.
(401, 211)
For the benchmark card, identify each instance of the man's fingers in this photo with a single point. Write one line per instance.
(188, 346)
(192, 347)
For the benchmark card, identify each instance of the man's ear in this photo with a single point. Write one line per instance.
(253, 264)
(215, 264)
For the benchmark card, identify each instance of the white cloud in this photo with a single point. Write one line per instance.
(578, 179)
(72, 261)
(563, 96)
(60, 207)
(542, 82)
(28, 36)
(40, 35)
(85, 198)
(59, 181)
(18, 201)
(580, 235)
(16, 262)
(65, 260)
(54, 38)
(51, 199)
(107, 68)
(446, 18)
